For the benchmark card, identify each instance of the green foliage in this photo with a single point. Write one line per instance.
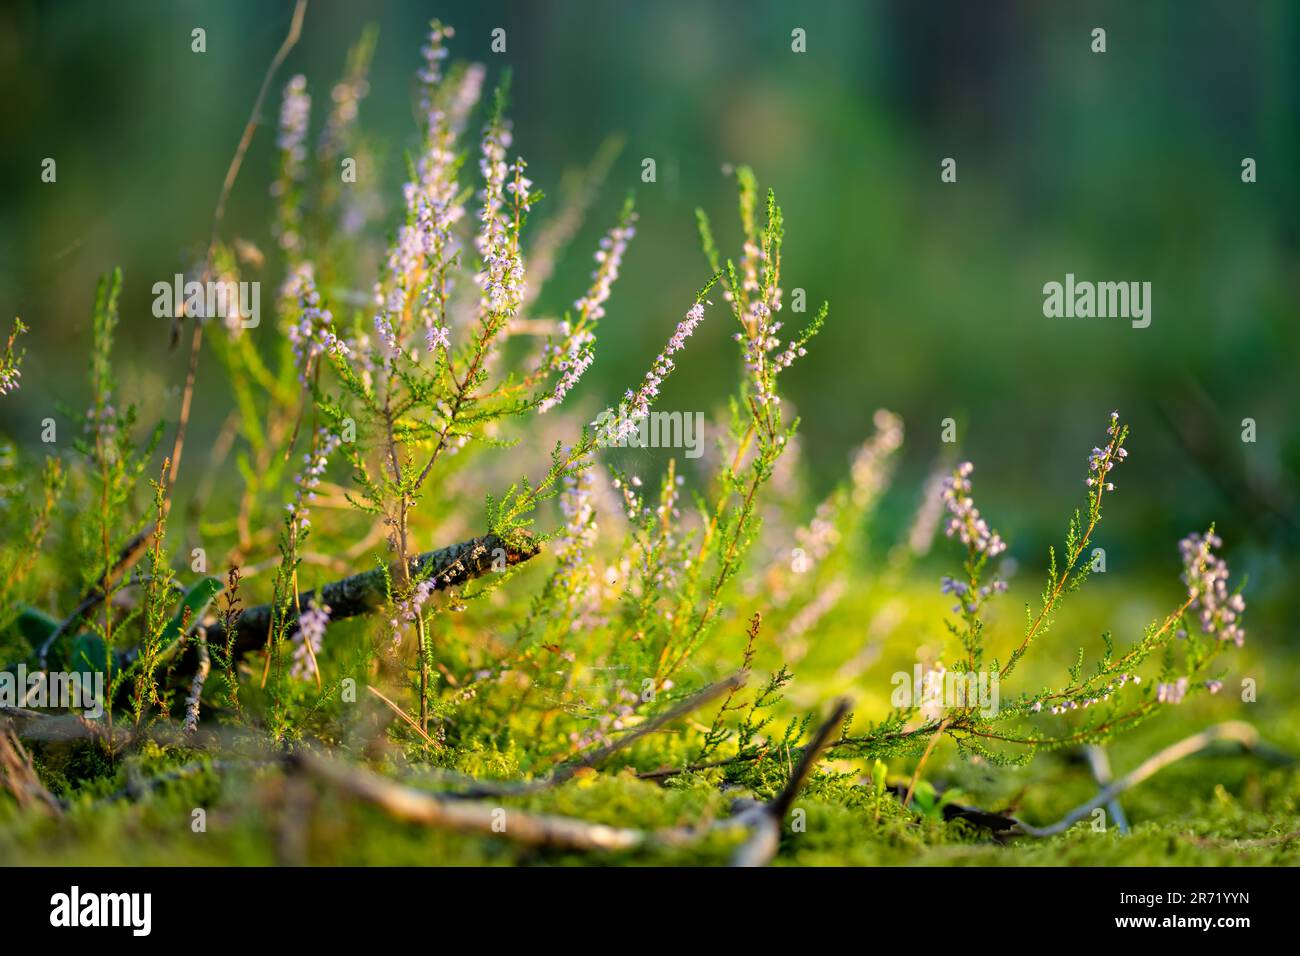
(364, 432)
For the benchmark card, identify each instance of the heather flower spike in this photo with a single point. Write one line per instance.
(636, 404)
(573, 355)
(308, 640)
(11, 362)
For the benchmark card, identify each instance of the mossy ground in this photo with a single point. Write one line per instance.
(1214, 809)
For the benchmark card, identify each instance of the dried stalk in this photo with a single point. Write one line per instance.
(765, 821)
(413, 806)
(18, 775)
(135, 549)
(1232, 731)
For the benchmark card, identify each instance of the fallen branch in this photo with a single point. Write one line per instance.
(365, 592)
(765, 821)
(1099, 764)
(195, 700)
(558, 832)
(1233, 731)
(461, 816)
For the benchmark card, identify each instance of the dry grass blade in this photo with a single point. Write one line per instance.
(18, 775)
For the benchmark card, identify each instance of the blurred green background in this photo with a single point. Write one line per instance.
(1117, 166)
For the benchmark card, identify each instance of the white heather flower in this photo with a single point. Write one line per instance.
(308, 480)
(10, 373)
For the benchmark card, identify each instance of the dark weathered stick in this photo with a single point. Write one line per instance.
(365, 592)
(765, 823)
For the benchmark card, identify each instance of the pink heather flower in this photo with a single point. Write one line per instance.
(465, 97)
(966, 523)
(430, 72)
(295, 113)
(574, 354)
(410, 607)
(572, 358)
(1172, 693)
(387, 335)
(760, 338)
(346, 96)
(308, 480)
(502, 276)
(1102, 460)
(313, 332)
(579, 512)
(418, 265)
(950, 585)
(869, 469)
(636, 405)
(608, 259)
(311, 631)
(1206, 577)
(437, 337)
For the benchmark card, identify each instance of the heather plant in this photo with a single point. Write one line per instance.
(584, 606)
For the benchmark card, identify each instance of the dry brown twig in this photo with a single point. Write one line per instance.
(18, 775)
(765, 822)
(138, 545)
(559, 832)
